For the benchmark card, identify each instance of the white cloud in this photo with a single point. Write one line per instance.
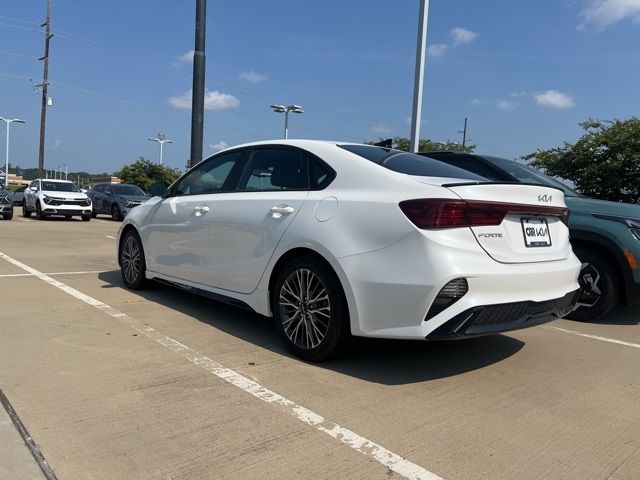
(213, 100)
(437, 49)
(459, 36)
(252, 77)
(381, 128)
(601, 14)
(554, 99)
(57, 143)
(184, 59)
(221, 145)
(476, 102)
(462, 36)
(506, 105)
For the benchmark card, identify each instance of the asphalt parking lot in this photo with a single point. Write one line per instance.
(161, 384)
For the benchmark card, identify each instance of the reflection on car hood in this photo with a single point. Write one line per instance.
(603, 207)
(134, 198)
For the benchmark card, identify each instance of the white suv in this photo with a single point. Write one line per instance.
(56, 197)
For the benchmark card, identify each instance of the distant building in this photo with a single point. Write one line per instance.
(106, 180)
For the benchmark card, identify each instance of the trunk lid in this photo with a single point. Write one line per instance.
(532, 230)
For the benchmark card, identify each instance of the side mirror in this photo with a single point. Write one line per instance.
(159, 189)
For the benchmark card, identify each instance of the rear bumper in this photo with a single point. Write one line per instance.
(489, 319)
(392, 290)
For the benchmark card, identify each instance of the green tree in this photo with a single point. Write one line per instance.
(426, 145)
(145, 173)
(604, 163)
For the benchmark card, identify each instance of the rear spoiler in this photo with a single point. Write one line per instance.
(461, 184)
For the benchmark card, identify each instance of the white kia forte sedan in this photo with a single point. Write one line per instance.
(335, 239)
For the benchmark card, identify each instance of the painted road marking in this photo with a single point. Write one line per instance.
(54, 273)
(595, 337)
(24, 220)
(110, 236)
(361, 444)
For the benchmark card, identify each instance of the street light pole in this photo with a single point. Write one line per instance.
(419, 76)
(286, 110)
(161, 140)
(8, 121)
(197, 90)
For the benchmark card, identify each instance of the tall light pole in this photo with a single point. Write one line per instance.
(161, 140)
(286, 110)
(8, 121)
(419, 76)
(197, 90)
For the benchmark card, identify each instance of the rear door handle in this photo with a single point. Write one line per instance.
(200, 211)
(281, 210)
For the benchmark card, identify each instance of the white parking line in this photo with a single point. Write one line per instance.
(53, 273)
(24, 220)
(361, 444)
(595, 337)
(110, 236)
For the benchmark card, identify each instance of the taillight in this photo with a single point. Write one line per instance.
(427, 213)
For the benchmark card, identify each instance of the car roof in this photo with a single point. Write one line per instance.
(54, 180)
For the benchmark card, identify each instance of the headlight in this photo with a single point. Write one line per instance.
(5, 199)
(636, 232)
(131, 204)
(46, 199)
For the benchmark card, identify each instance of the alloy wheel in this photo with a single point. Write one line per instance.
(590, 282)
(305, 308)
(131, 259)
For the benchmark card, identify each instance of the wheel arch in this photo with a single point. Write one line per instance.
(296, 252)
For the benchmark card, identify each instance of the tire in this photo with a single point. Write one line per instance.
(86, 218)
(600, 283)
(8, 216)
(93, 214)
(116, 214)
(328, 315)
(131, 260)
(39, 213)
(26, 213)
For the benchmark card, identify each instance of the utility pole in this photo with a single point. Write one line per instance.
(419, 76)
(45, 89)
(197, 92)
(464, 133)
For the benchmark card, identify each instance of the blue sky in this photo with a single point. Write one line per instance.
(524, 72)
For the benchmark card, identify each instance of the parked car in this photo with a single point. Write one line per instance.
(18, 195)
(334, 239)
(116, 199)
(6, 203)
(48, 197)
(605, 235)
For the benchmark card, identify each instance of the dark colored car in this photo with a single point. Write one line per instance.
(116, 199)
(6, 203)
(604, 235)
(18, 195)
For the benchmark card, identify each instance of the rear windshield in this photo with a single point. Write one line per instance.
(59, 187)
(132, 190)
(410, 163)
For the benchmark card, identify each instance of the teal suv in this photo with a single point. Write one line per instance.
(605, 235)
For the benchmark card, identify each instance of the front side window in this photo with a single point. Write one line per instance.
(277, 169)
(99, 188)
(211, 176)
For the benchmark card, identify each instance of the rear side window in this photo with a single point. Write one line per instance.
(271, 169)
(410, 163)
(320, 174)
